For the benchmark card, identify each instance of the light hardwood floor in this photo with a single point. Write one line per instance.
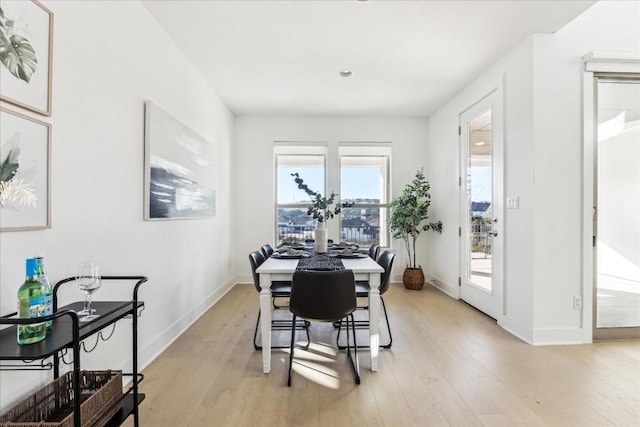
(450, 365)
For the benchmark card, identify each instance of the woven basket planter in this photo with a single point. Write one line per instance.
(413, 278)
(52, 405)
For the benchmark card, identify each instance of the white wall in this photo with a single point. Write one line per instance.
(543, 166)
(608, 26)
(109, 57)
(514, 72)
(254, 175)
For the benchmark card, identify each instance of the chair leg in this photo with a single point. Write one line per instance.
(255, 334)
(293, 337)
(355, 348)
(305, 325)
(353, 361)
(348, 345)
(386, 317)
(365, 323)
(276, 306)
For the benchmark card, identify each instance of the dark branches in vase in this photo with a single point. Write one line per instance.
(320, 209)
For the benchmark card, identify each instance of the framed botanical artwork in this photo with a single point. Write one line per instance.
(179, 173)
(25, 146)
(26, 41)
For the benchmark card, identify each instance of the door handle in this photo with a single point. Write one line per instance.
(493, 233)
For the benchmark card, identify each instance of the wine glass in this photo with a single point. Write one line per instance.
(88, 281)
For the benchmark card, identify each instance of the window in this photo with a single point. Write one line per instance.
(293, 224)
(364, 181)
(360, 171)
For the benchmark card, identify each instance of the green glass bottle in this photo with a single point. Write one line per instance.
(48, 292)
(31, 303)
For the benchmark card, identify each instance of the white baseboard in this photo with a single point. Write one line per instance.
(244, 278)
(516, 327)
(396, 278)
(448, 289)
(558, 336)
(542, 336)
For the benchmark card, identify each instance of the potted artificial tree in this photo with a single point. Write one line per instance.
(409, 212)
(321, 211)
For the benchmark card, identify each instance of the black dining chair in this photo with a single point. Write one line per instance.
(278, 290)
(385, 260)
(267, 250)
(374, 251)
(325, 296)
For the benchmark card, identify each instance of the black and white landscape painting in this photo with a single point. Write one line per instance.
(180, 174)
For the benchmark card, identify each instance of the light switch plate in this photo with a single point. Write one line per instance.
(513, 202)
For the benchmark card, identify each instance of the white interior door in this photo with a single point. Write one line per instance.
(481, 195)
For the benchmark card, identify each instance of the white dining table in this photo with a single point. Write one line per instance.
(274, 269)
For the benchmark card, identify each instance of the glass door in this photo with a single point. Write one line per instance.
(481, 183)
(480, 219)
(617, 208)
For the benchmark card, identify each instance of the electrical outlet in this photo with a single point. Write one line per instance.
(577, 302)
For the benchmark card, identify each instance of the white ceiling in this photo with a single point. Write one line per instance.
(408, 57)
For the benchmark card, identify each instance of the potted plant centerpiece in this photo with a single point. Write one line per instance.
(409, 212)
(321, 211)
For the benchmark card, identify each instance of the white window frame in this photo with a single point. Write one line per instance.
(289, 149)
(331, 153)
(372, 150)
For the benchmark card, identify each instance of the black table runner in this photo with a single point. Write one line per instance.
(320, 263)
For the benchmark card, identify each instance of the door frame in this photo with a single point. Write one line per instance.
(594, 62)
(492, 303)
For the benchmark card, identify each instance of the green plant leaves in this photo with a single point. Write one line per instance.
(408, 213)
(9, 164)
(8, 169)
(16, 53)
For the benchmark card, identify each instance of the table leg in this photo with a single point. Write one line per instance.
(265, 320)
(374, 317)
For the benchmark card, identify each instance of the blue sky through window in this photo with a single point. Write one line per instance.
(288, 191)
(361, 183)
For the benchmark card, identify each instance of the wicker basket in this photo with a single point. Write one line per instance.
(413, 278)
(52, 405)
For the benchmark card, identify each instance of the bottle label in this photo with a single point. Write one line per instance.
(48, 311)
(37, 306)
